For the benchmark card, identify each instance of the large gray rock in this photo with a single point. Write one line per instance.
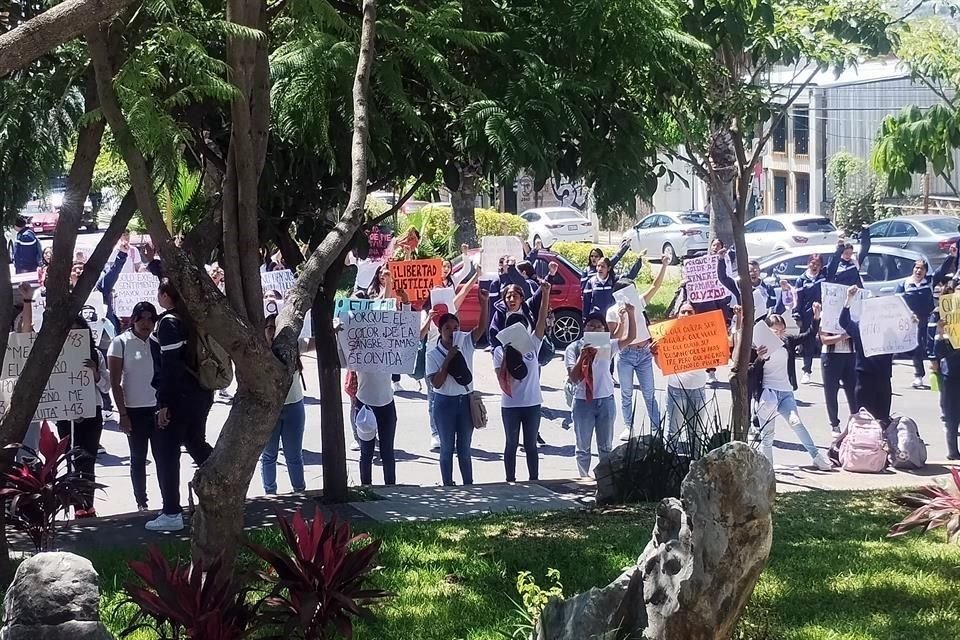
(54, 596)
(643, 469)
(699, 569)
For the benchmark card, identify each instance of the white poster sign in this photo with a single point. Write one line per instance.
(272, 307)
(132, 288)
(599, 340)
(763, 336)
(443, 298)
(703, 284)
(494, 248)
(887, 326)
(834, 298)
(516, 336)
(279, 281)
(70, 393)
(380, 341)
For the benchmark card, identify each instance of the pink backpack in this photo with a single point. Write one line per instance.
(863, 444)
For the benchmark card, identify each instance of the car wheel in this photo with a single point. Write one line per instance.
(567, 328)
(670, 253)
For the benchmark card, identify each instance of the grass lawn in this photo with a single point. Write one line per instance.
(832, 576)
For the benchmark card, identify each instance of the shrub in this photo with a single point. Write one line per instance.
(934, 506)
(579, 254)
(494, 223)
(436, 227)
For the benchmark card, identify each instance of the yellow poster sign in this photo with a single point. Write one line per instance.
(950, 316)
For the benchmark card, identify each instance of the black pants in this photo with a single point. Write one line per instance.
(86, 437)
(517, 420)
(875, 395)
(142, 423)
(838, 368)
(920, 353)
(809, 348)
(188, 427)
(950, 401)
(386, 433)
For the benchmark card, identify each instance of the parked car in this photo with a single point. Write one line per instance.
(882, 269)
(46, 223)
(766, 234)
(674, 234)
(549, 224)
(566, 303)
(930, 235)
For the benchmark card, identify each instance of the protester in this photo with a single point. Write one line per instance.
(598, 292)
(917, 292)
(447, 272)
(807, 291)
(775, 382)
(764, 296)
(520, 400)
(635, 358)
(838, 364)
(27, 252)
(182, 405)
(593, 261)
(85, 433)
(594, 410)
(449, 368)
(23, 323)
(873, 390)
(44, 267)
(949, 368)
(686, 398)
(843, 268)
(134, 261)
(130, 359)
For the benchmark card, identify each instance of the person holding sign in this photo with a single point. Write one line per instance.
(873, 391)
(588, 369)
(686, 396)
(807, 292)
(518, 371)
(449, 369)
(917, 291)
(838, 364)
(949, 361)
(843, 268)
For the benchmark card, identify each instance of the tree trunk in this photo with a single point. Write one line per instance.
(723, 160)
(6, 320)
(464, 202)
(739, 385)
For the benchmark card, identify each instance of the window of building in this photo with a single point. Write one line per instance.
(779, 194)
(803, 193)
(801, 132)
(779, 135)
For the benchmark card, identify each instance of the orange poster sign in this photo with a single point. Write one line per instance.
(416, 278)
(691, 343)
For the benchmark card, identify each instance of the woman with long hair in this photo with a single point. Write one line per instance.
(917, 291)
(289, 429)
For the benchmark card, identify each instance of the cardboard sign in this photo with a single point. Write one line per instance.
(279, 281)
(132, 288)
(348, 305)
(691, 343)
(703, 284)
(416, 278)
(834, 298)
(495, 247)
(950, 315)
(70, 393)
(380, 341)
(93, 311)
(887, 326)
(377, 243)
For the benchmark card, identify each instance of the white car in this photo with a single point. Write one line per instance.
(549, 224)
(674, 234)
(766, 234)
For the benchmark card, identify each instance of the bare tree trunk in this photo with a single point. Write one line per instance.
(464, 204)
(739, 384)
(723, 161)
(6, 321)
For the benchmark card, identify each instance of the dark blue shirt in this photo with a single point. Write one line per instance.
(27, 252)
(881, 365)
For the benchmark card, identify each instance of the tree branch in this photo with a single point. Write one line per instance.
(398, 205)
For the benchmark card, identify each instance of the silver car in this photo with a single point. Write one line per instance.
(929, 235)
(675, 234)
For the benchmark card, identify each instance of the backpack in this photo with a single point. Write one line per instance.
(907, 448)
(214, 370)
(863, 445)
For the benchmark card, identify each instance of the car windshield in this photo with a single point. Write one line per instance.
(561, 214)
(694, 218)
(946, 226)
(814, 225)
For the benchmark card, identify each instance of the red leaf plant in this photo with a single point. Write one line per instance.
(42, 485)
(189, 601)
(319, 583)
(934, 506)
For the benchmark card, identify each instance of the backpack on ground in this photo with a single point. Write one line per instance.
(863, 444)
(214, 367)
(907, 448)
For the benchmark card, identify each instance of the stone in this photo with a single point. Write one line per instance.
(700, 567)
(53, 596)
(640, 470)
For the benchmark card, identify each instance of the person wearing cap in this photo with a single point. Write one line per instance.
(520, 399)
(588, 369)
(27, 252)
(449, 368)
(635, 358)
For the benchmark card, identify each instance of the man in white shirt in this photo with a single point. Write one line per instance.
(134, 262)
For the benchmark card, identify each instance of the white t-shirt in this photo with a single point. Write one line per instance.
(295, 394)
(688, 380)
(366, 270)
(759, 303)
(437, 354)
(374, 389)
(526, 392)
(133, 262)
(138, 392)
(643, 333)
(602, 378)
(775, 371)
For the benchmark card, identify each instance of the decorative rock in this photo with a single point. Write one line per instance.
(54, 596)
(698, 571)
(640, 470)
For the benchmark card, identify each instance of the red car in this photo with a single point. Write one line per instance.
(45, 223)
(566, 303)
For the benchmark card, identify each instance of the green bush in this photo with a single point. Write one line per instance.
(579, 254)
(436, 227)
(494, 223)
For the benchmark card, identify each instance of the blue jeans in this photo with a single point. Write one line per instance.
(289, 429)
(688, 408)
(787, 409)
(639, 362)
(455, 428)
(589, 417)
(431, 398)
(517, 420)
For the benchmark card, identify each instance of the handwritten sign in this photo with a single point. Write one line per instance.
(887, 326)
(272, 307)
(132, 288)
(70, 393)
(347, 305)
(380, 341)
(703, 284)
(691, 343)
(93, 311)
(834, 298)
(494, 248)
(279, 281)
(950, 314)
(416, 278)
(377, 243)
(763, 336)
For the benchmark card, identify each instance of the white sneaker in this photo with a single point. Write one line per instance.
(434, 443)
(355, 446)
(396, 387)
(625, 436)
(805, 379)
(821, 463)
(165, 522)
(711, 377)
(918, 383)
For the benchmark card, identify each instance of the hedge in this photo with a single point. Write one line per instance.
(489, 222)
(579, 254)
